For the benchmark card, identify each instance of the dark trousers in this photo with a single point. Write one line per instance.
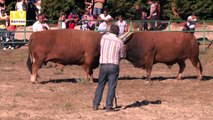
(3, 37)
(108, 72)
(152, 23)
(7, 35)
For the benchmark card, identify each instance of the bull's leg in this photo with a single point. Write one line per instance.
(182, 66)
(88, 73)
(149, 65)
(91, 79)
(148, 72)
(149, 60)
(59, 67)
(36, 65)
(197, 64)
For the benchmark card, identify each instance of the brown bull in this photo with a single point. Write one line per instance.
(147, 48)
(65, 47)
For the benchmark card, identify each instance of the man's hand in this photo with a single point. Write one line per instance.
(125, 47)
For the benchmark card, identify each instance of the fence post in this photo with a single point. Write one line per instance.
(130, 26)
(169, 25)
(25, 33)
(204, 34)
(96, 26)
(60, 24)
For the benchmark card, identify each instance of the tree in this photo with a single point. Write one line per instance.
(181, 9)
(53, 8)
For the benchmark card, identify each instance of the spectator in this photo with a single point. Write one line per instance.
(102, 28)
(122, 25)
(93, 23)
(10, 36)
(72, 20)
(105, 16)
(138, 15)
(152, 14)
(3, 25)
(84, 21)
(190, 24)
(31, 11)
(88, 5)
(98, 6)
(21, 5)
(112, 49)
(62, 21)
(2, 5)
(37, 3)
(45, 17)
(144, 18)
(40, 25)
(3, 14)
(158, 8)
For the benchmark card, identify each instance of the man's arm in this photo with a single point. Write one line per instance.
(122, 51)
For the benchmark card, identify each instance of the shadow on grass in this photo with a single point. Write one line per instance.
(161, 78)
(72, 80)
(143, 103)
(77, 80)
(207, 78)
(144, 78)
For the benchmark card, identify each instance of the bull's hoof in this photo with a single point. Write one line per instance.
(148, 82)
(33, 82)
(178, 77)
(200, 78)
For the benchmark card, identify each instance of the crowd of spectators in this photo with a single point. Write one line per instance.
(94, 10)
(95, 17)
(7, 31)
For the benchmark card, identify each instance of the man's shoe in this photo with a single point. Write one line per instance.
(95, 108)
(111, 110)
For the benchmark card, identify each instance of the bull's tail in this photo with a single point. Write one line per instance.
(29, 59)
(29, 63)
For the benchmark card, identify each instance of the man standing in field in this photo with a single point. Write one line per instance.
(112, 49)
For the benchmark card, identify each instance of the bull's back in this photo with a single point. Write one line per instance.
(172, 46)
(165, 46)
(68, 46)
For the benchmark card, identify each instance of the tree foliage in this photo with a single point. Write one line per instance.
(53, 8)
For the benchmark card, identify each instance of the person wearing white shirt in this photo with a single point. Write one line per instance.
(105, 16)
(40, 25)
(191, 21)
(153, 14)
(62, 21)
(21, 5)
(122, 25)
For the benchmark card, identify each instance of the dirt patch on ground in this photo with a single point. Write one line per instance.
(67, 96)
